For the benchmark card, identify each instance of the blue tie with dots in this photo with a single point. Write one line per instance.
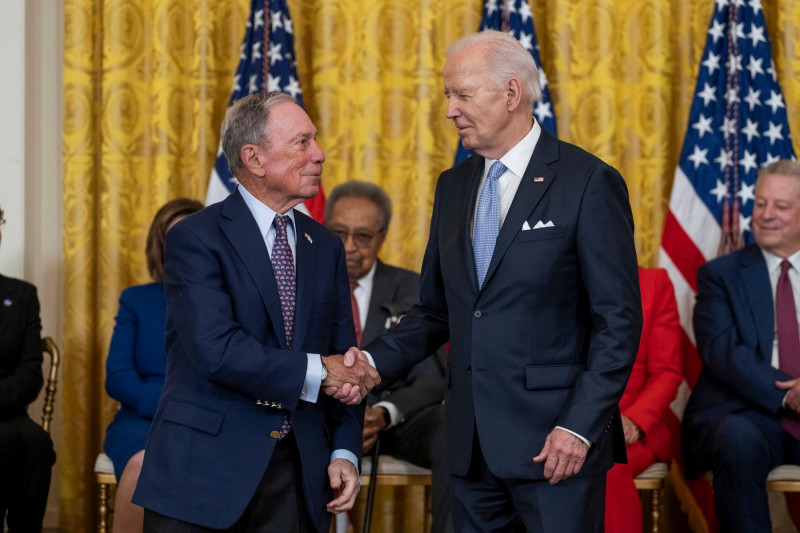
(283, 268)
(487, 222)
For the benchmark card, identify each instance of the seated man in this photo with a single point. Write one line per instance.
(409, 415)
(741, 420)
(651, 388)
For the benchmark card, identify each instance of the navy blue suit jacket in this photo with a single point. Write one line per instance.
(551, 337)
(734, 329)
(210, 442)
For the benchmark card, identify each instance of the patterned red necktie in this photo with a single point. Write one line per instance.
(788, 338)
(356, 315)
(283, 268)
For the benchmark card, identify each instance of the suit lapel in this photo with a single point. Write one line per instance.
(383, 290)
(759, 291)
(241, 230)
(528, 195)
(473, 171)
(305, 268)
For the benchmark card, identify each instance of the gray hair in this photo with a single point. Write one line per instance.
(247, 122)
(506, 58)
(781, 167)
(365, 190)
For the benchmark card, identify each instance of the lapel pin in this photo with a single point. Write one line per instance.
(7, 302)
(538, 179)
(308, 238)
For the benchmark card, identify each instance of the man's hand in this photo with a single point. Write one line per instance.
(632, 431)
(374, 423)
(564, 454)
(350, 377)
(792, 399)
(345, 485)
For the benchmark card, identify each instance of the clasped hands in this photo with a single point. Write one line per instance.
(350, 376)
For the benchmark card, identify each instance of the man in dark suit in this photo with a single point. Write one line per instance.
(242, 440)
(742, 417)
(530, 273)
(26, 450)
(409, 414)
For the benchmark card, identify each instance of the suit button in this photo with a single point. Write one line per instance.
(275, 434)
(477, 313)
(469, 370)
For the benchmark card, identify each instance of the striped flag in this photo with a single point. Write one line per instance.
(267, 52)
(737, 124)
(514, 17)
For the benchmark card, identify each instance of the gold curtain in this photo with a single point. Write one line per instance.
(146, 83)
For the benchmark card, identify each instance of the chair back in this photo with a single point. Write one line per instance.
(49, 347)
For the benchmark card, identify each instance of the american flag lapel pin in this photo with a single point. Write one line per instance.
(538, 179)
(308, 238)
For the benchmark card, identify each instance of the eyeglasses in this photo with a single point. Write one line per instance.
(361, 239)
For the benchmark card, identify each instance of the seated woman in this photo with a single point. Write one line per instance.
(652, 386)
(26, 450)
(136, 365)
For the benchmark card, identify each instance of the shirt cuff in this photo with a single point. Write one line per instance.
(585, 441)
(394, 413)
(369, 358)
(346, 454)
(313, 381)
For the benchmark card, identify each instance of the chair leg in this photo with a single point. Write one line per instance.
(102, 524)
(656, 508)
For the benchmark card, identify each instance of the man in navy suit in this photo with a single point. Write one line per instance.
(535, 285)
(741, 419)
(257, 299)
(408, 416)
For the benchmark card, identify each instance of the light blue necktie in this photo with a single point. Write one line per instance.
(487, 222)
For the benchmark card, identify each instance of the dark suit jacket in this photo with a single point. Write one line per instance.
(20, 347)
(396, 290)
(734, 328)
(210, 442)
(551, 338)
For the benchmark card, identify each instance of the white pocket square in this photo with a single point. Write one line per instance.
(541, 224)
(525, 226)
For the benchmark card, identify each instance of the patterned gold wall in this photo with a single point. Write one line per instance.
(146, 83)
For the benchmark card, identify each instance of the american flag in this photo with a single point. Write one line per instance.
(267, 51)
(737, 124)
(515, 18)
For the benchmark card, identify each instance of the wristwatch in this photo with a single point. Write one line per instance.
(324, 373)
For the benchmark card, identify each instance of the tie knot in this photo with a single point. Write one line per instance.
(496, 170)
(785, 266)
(280, 222)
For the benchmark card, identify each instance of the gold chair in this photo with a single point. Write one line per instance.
(784, 478)
(106, 481)
(652, 481)
(49, 347)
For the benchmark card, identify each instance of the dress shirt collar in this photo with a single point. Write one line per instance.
(774, 262)
(516, 160)
(263, 214)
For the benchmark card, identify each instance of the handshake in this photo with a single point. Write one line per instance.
(350, 376)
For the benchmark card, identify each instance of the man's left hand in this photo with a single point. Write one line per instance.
(345, 484)
(373, 424)
(563, 453)
(792, 399)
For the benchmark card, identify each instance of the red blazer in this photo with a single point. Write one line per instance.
(656, 372)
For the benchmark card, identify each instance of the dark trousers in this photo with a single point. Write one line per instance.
(26, 459)
(277, 506)
(740, 450)
(484, 503)
(421, 440)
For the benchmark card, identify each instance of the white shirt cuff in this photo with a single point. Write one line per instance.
(313, 381)
(346, 454)
(586, 441)
(369, 358)
(394, 413)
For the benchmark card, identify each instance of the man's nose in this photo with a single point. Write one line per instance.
(452, 108)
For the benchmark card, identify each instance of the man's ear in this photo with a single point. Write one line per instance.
(252, 159)
(513, 94)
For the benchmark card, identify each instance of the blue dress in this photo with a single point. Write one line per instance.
(135, 368)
